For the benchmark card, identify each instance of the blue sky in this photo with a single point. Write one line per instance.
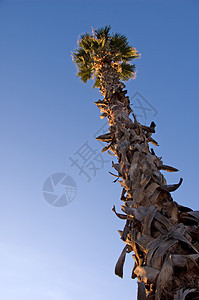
(47, 115)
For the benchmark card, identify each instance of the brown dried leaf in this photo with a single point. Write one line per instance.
(171, 187)
(152, 141)
(123, 194)
(145, 181)
(143, 241)
(194, 214)
(159, 254)
(137, 213)
(104, 115)
(107, 137)
(151, 189)
(194, 233)
(117, 167)
(113, 174)
(139, 195)
(181, 238)
(100, 103)
(120, 263)
(148, 220)
(146, 274)
(154, 197)
(164, 278)
(168, 168)
(148, 129)
(164, 242)
(141, 291)
(170, 209)
(183, 208)
(121, 216)
(152, 247)
(185, 261)
(112, 154)
(125, 231)
(105, 148)
(163, 220)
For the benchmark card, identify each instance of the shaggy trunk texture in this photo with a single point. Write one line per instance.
(163, 235)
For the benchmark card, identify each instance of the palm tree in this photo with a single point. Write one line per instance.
(163, 235)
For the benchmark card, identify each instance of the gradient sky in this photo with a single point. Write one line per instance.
(47, 114)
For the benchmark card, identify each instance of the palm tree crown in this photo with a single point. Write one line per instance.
(101, 47)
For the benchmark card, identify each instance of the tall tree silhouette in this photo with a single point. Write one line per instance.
(162, 235)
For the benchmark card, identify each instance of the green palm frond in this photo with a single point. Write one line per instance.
(118, 41)
(103, 32)
(97, 82)
(93, 48)
(85, 42)
(127, 71)
(81, 57)
(84, 63)
(85, 74)
(120, 48)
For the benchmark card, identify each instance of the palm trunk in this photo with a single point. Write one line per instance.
(163, 235)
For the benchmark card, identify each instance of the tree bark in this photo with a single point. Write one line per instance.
(163, 235)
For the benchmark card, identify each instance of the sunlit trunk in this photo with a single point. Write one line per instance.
(162, 235)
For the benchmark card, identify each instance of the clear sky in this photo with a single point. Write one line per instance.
(48, 119)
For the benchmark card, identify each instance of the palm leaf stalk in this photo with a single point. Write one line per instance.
(162, 234)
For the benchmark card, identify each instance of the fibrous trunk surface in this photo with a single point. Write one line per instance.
(162, 235)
